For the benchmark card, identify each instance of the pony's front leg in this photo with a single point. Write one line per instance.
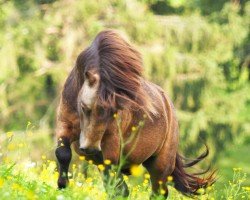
(63, 154)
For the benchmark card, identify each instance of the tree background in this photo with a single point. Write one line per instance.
(198, 51)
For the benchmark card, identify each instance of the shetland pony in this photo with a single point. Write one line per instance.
(106, 80)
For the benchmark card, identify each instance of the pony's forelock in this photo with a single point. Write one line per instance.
(120, 68)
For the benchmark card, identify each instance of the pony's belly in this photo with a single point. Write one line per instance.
(148, 143)
(139, 154)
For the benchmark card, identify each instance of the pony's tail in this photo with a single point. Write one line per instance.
(190, 183)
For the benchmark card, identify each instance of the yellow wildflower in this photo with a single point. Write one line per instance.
(125, 177)
(1, 182)
(115, 115)
(101, 167)
(82, 158)
(11, 147)
(146, 176)
(246, 188)
(141, 123)
(136, 170)
(30, 195)
(201, 191)
(107, 162)
(43, 157)
(15, 186)
(170, 178)
(162, 191)
(90, 162)
(6, 160)
(9, 134)
(112, 174)
(71, 182)
(55, 175)
(133, 128)
(135, 190)
(20, 145)
(89, 180)
(209, 188)
(160, 182)
(237, 169)
(80, 175)
(145, 183)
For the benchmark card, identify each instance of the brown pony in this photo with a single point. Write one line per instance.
(107, 81)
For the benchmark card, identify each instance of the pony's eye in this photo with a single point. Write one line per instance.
(100, 111)
(88, 112)
(91, 78)
(85, 109)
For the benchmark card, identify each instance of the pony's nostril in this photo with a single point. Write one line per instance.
(83, 150)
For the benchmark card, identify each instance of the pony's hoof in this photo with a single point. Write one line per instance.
(62, 183)
(125, 193)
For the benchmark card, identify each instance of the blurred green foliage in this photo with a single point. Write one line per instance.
(198, 51)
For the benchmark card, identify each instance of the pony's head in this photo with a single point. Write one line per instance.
(110, 77)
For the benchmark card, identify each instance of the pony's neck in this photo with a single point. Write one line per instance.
(150, 109)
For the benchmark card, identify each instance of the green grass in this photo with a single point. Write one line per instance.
(28, 171)
(235, 156)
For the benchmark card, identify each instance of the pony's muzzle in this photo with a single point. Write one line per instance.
(90, 150)
(87, 146)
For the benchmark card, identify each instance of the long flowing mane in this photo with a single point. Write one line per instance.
(120, 68)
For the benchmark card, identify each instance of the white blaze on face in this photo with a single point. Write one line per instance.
(83, 139)
(85, 142)
(88, 96)
(89, 93)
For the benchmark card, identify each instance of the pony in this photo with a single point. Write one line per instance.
(105, 84)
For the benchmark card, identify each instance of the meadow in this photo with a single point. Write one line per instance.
(28, 171)
(197, 51)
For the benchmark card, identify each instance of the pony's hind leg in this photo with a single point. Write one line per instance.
(159, 170)
(63, 154)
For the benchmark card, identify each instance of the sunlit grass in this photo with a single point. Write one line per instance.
(28, 170)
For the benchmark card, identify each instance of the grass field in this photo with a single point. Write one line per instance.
(28, 171)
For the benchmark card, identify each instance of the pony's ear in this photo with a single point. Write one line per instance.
(92, 77)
